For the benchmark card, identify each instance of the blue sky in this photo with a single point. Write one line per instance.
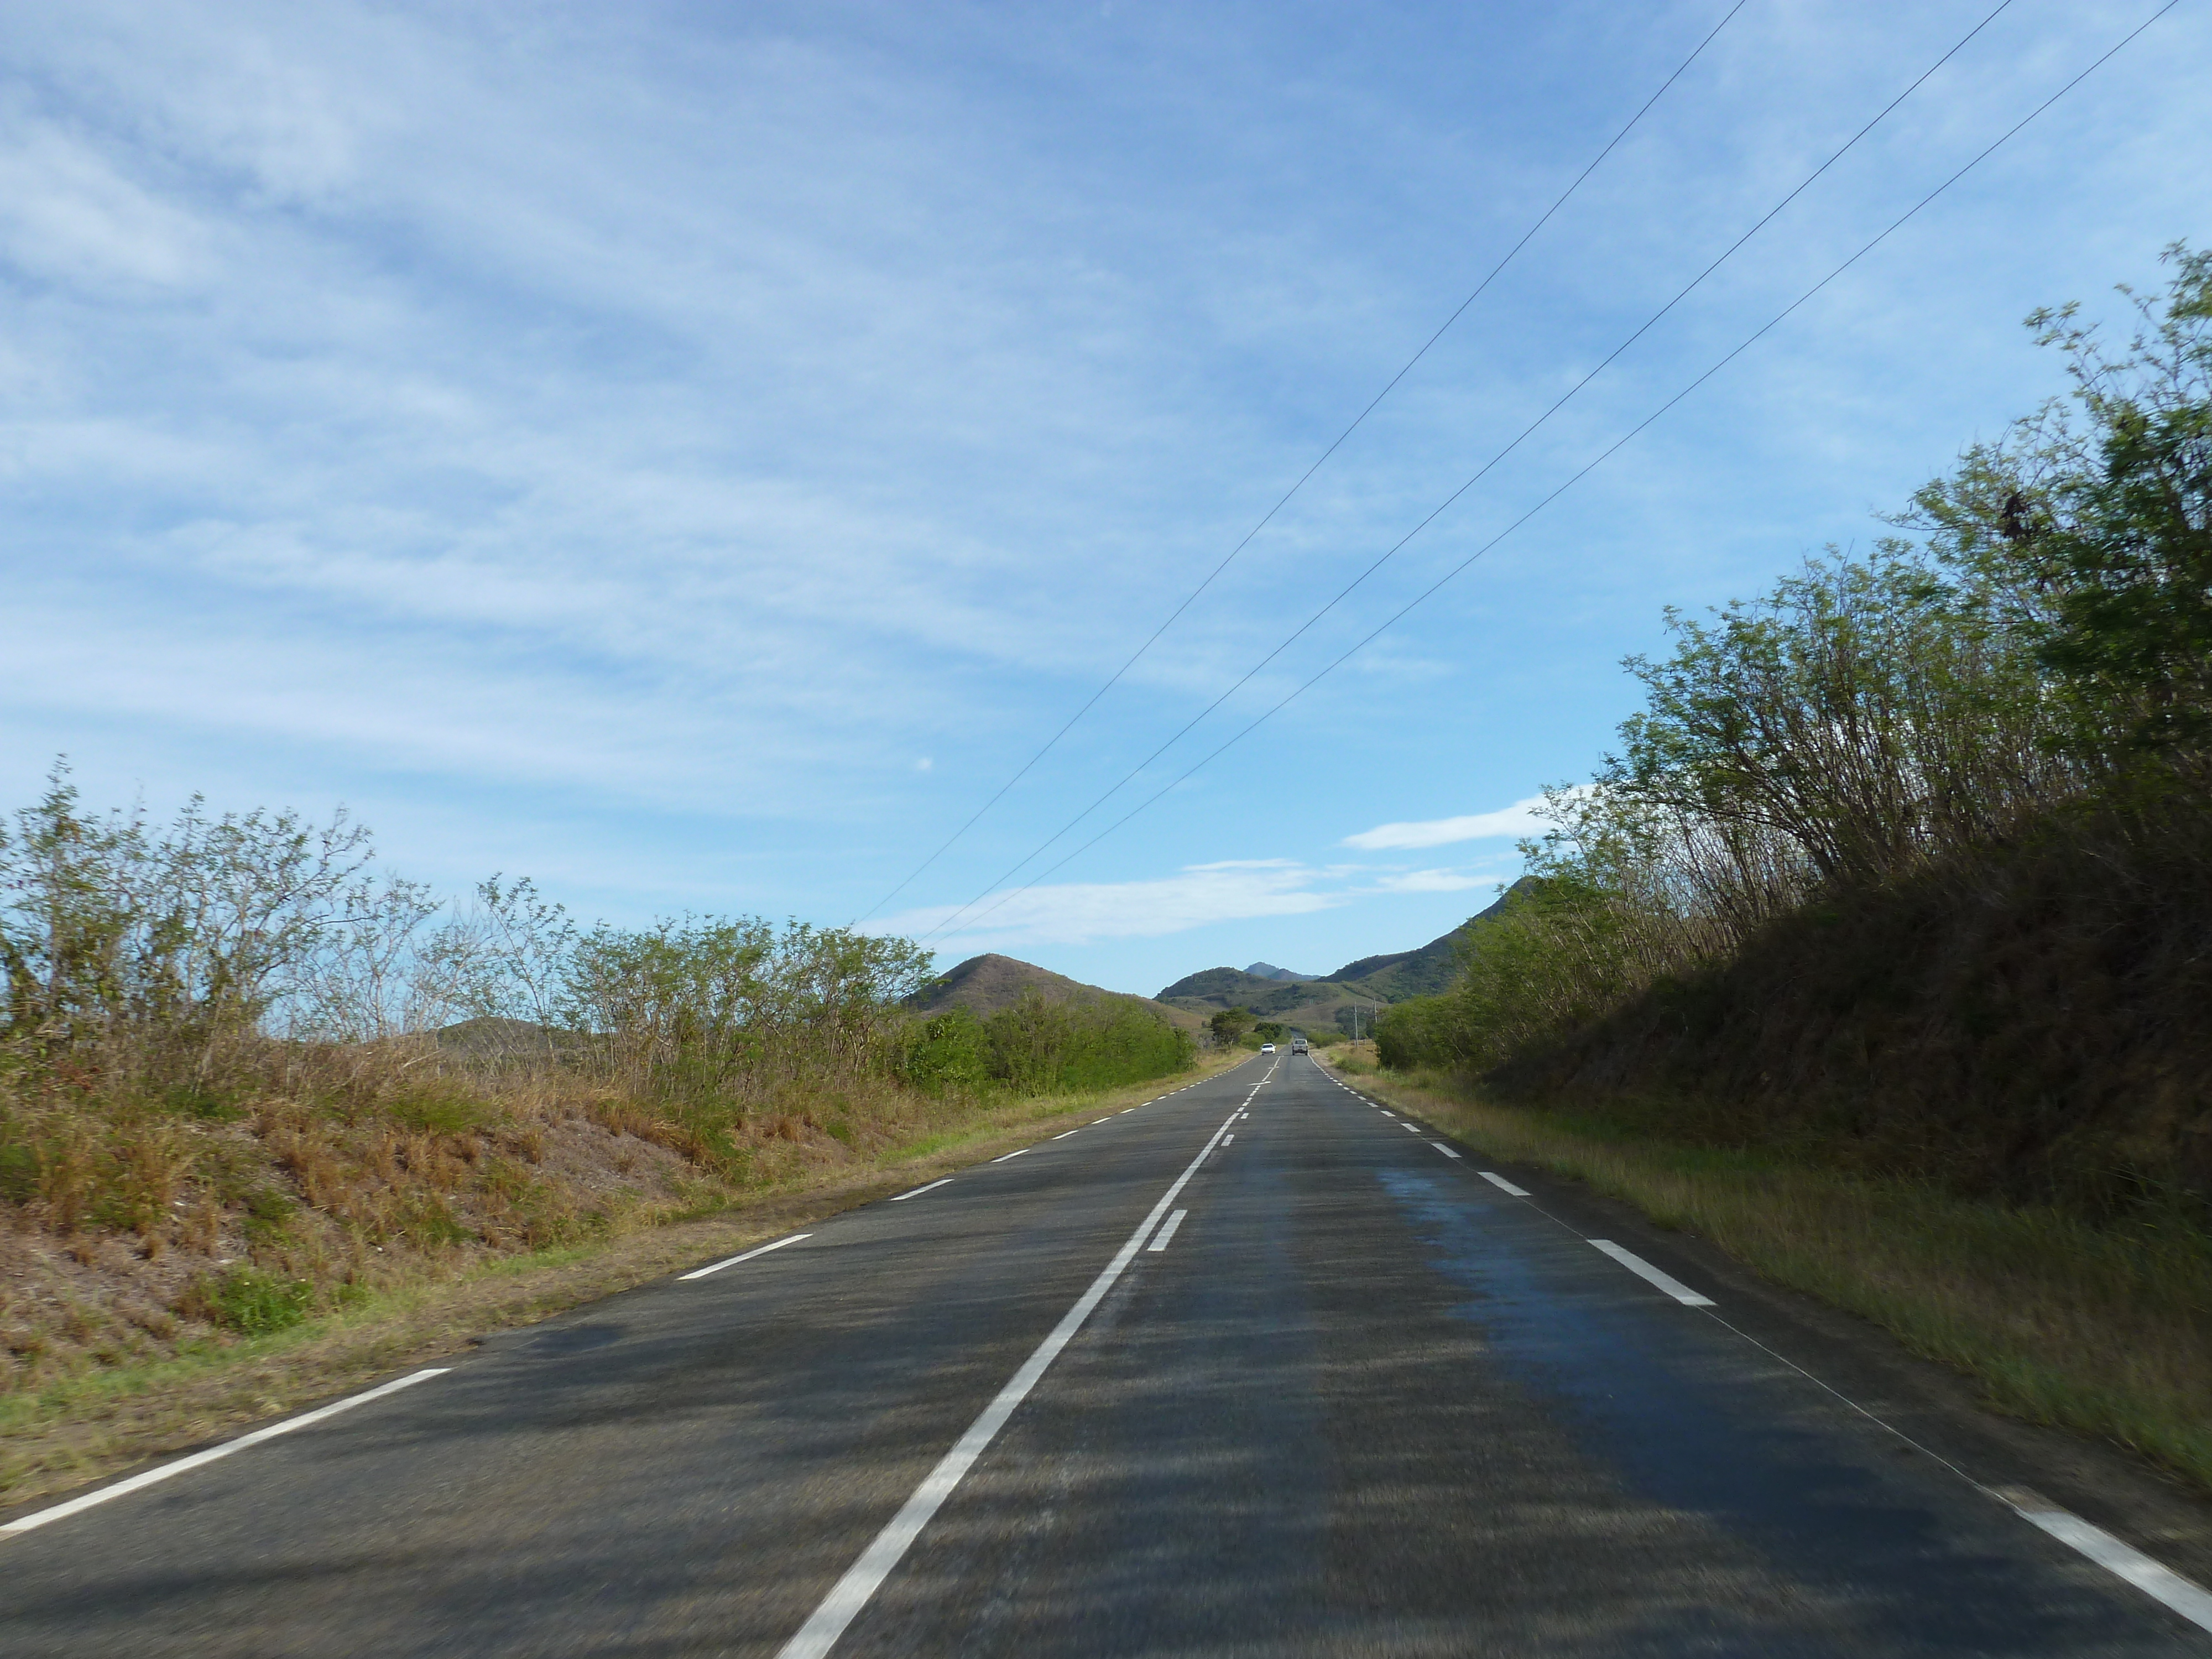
(694, 454)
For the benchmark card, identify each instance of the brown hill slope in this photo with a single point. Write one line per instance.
(985, 984)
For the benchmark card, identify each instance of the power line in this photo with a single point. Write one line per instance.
(1268, 517)
(1592, 465)
(1482, 471)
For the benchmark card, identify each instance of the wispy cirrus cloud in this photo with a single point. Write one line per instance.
(1432, 881)
(1232, 890)
(656, 430)
(1518, 819)
(1077, 912)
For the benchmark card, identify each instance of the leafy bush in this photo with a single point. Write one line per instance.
(438, 1106)
(946, 1052)
(1039, 1046)
(249, 1301)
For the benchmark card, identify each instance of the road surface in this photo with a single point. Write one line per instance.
(1256, 1367)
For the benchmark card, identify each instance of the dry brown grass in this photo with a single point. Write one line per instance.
(113, 1351)
(2103, 1329)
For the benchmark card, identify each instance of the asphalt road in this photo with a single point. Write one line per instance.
(1365, 1400)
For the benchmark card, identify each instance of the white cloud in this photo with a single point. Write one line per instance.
(1077, 912)
(1518, 819)
(70, 217)
(1431, 881)
(1233, 889)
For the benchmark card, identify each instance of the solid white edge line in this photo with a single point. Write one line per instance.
(1651, 1275)
(1167, 1230)
(851, 1592)
(1502, 1183)
(1017, 1152)
(762, 1249)
(166, 1471)
(1445, 1150)
(916, 1192)
(2160, 1582)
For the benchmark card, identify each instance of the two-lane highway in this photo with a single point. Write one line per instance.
(1258, 1367)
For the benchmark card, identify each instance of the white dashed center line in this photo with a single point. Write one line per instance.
(851, 1593)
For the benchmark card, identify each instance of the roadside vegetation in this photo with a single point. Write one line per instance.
(1876, 952)
(250, 1082)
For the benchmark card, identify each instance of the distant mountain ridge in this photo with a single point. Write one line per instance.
(1274, 993)
(985, 984)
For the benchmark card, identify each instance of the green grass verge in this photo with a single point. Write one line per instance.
(2104, 1330)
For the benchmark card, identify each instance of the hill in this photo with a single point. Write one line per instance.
(985, 984)
(1268, 970)
(1316, 1002)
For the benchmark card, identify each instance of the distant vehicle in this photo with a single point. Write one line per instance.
(1297, 1045)
(1267, 1048)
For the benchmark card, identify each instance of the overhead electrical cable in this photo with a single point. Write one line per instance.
(1588, 467)
(1268, 517)
(1482, 471)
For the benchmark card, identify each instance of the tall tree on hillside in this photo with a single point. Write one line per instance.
(2095, 529)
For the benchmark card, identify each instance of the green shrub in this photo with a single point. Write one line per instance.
(437, 1109)
(268, 1213)
(251, 1302)
(1038, 1045)
(948, 1051)
(201, 1101)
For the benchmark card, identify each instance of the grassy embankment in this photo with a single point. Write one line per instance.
(2104, 1329)
(90, 1409)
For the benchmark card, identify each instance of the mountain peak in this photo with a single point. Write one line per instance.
(985, 984)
